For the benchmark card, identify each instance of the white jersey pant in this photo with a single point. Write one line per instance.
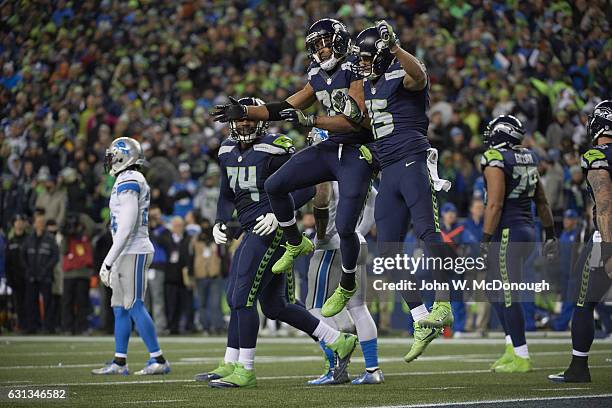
(324, 273)
(129, 279)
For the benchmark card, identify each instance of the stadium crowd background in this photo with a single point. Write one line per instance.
(75, 75)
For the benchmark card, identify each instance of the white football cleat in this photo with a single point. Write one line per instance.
(154, 368)
(111, 369)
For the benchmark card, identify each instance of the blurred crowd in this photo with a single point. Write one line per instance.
(76, 75)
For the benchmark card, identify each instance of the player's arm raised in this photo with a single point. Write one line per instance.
(496, 190)
(416, 74)
(302, 99)
(602, 191)
(550, 249)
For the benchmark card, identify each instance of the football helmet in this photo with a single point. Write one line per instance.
(504, 130)
(374, 56)
(247, 131)
(123, 153)
(333, 34)
(600, 121)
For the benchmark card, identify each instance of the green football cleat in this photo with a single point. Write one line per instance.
(337, 301)
(441, 316)
(223, 370)
(422, 337)
(240, 378)
(285, 262)
(343, 347)
(517, 365)
(506, 358)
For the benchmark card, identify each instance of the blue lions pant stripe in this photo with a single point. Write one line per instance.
(322, 279)
(139, 275)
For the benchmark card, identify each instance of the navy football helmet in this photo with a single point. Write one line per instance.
(374, 56)
(504, 130)
(331, 33)
(245, 130)
(600, 121)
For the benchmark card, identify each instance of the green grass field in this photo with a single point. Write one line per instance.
(452, 371)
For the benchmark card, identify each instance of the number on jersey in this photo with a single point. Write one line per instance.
(381, 121)
(326, 97)
(528, 180)
(244, 178)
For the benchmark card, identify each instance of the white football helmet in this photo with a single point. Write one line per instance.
(123, 153)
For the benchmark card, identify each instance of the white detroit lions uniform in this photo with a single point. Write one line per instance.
(325, 269)
(132, 250)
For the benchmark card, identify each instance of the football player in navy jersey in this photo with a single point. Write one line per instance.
(247, 159)
(597, 255)
(512, 185)
(339, 158)
(396, 96)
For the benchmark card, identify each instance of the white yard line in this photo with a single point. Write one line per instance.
(187, 361)
(497, 401)
(152, 401)
(494, 339)
(280, 377)
(105, 352)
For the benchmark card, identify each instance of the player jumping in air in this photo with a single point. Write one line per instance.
(512, 184)
(396, 97)
(125, 267)
(339, 158)
(248, 158)
(324, 275)
(597, 254)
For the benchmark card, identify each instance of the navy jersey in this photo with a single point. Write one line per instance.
(596, 158)
(520, 166)
(326, 85)
(243, 174)
(398, 116)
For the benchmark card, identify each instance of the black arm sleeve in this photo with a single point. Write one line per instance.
(274, 109)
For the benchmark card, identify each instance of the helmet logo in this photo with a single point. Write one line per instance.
(123, 147)
(603, 112)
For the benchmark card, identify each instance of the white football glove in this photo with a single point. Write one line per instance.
(267, 224)
(219, 233)
(105, 275)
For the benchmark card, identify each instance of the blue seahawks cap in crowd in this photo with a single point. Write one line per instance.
(448, 207)
(570, 214)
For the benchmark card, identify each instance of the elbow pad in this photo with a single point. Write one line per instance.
(274, 109)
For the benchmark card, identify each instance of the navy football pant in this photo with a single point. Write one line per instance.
(508, 256)
(406, 195)
(590, 287)
(317, 164)
(251, 280)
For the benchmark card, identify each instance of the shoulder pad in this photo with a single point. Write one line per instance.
(275, 144)
(394, 71)
(226, 147)
(594, 159)
(129, 181)
(312, 71)
(493, 158)
(283, 141)
(130, 175)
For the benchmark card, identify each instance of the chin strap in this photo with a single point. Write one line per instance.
(329, 64)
